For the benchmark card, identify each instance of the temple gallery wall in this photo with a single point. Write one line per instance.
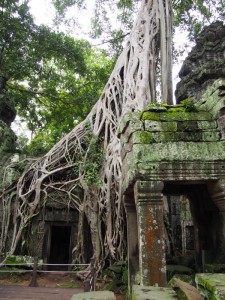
(177, 153)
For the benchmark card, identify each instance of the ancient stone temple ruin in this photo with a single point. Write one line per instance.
(171, 156)
(178, 150)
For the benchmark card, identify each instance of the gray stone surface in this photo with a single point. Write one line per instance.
(204, 64)
(103, 295)
(211, 285)
(152, 293)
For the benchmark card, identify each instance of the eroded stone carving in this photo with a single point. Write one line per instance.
(204, 64)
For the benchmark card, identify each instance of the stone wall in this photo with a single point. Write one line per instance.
(175, 150)
(204, 64)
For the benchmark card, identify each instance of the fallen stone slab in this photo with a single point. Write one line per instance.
(152, 293)
(185, 290)
(212, 286)
(103, 295)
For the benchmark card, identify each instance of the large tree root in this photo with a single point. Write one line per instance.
(71, 168)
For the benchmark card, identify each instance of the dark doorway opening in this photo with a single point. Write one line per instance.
(87, 242)
(200, 237)
(60, 247)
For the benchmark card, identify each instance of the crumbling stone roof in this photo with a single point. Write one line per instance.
(204, 64)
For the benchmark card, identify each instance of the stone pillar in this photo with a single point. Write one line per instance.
(132, 240)
(152, 262)
(217, 193)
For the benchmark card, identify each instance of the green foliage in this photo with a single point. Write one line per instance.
(53, 79)
(190, 15)
(70, 285)
(190, 105)
(193, 15)
(111, 30)
(10, 272)
(119, 275)
(94, 162)
(65, 98)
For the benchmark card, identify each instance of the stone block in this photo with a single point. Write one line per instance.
(204, 125)
(211, 285)
(177, 116)
(179, 151)
(152, 293)
(103, 295)
(147, 137)
(160, 126)
(133, 119)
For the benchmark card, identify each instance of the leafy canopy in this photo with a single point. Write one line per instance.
(189, 15)
(193, 15)
(52, 78)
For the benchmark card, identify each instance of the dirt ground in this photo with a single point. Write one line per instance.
(49, 280)
(44, 280)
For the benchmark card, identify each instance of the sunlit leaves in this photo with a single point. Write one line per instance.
(193, 15)
(111, 16)
(67, 97)
(53, 79)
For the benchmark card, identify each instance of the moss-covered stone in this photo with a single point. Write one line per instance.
(179, 151)
(205, 125)
(99, 295)
(187, 126)
(176, 115)
(211, 285)
(212, 100)
(150, 125)
(133, 119)
(146, 137)
(151, 115)
(152, 293)
(184, 116)
(190, 279)
(185, 287)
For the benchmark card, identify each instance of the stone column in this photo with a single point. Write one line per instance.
(217, 193)
(152, 262)
(132, 240)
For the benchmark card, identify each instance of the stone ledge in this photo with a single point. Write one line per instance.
(152, 293)
(103, 295)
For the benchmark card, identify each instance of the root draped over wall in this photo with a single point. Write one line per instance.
(73, 163)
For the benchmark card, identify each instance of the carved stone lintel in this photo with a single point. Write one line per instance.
(148, 192)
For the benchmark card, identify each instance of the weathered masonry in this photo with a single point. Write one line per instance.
(174, 150)
(178, 150)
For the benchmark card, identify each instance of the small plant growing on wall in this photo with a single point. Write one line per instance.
(94, 162)
(189, 105)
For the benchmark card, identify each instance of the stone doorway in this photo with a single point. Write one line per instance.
(57, 247)
(202, 234)
(60, 246)
(146, 229)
